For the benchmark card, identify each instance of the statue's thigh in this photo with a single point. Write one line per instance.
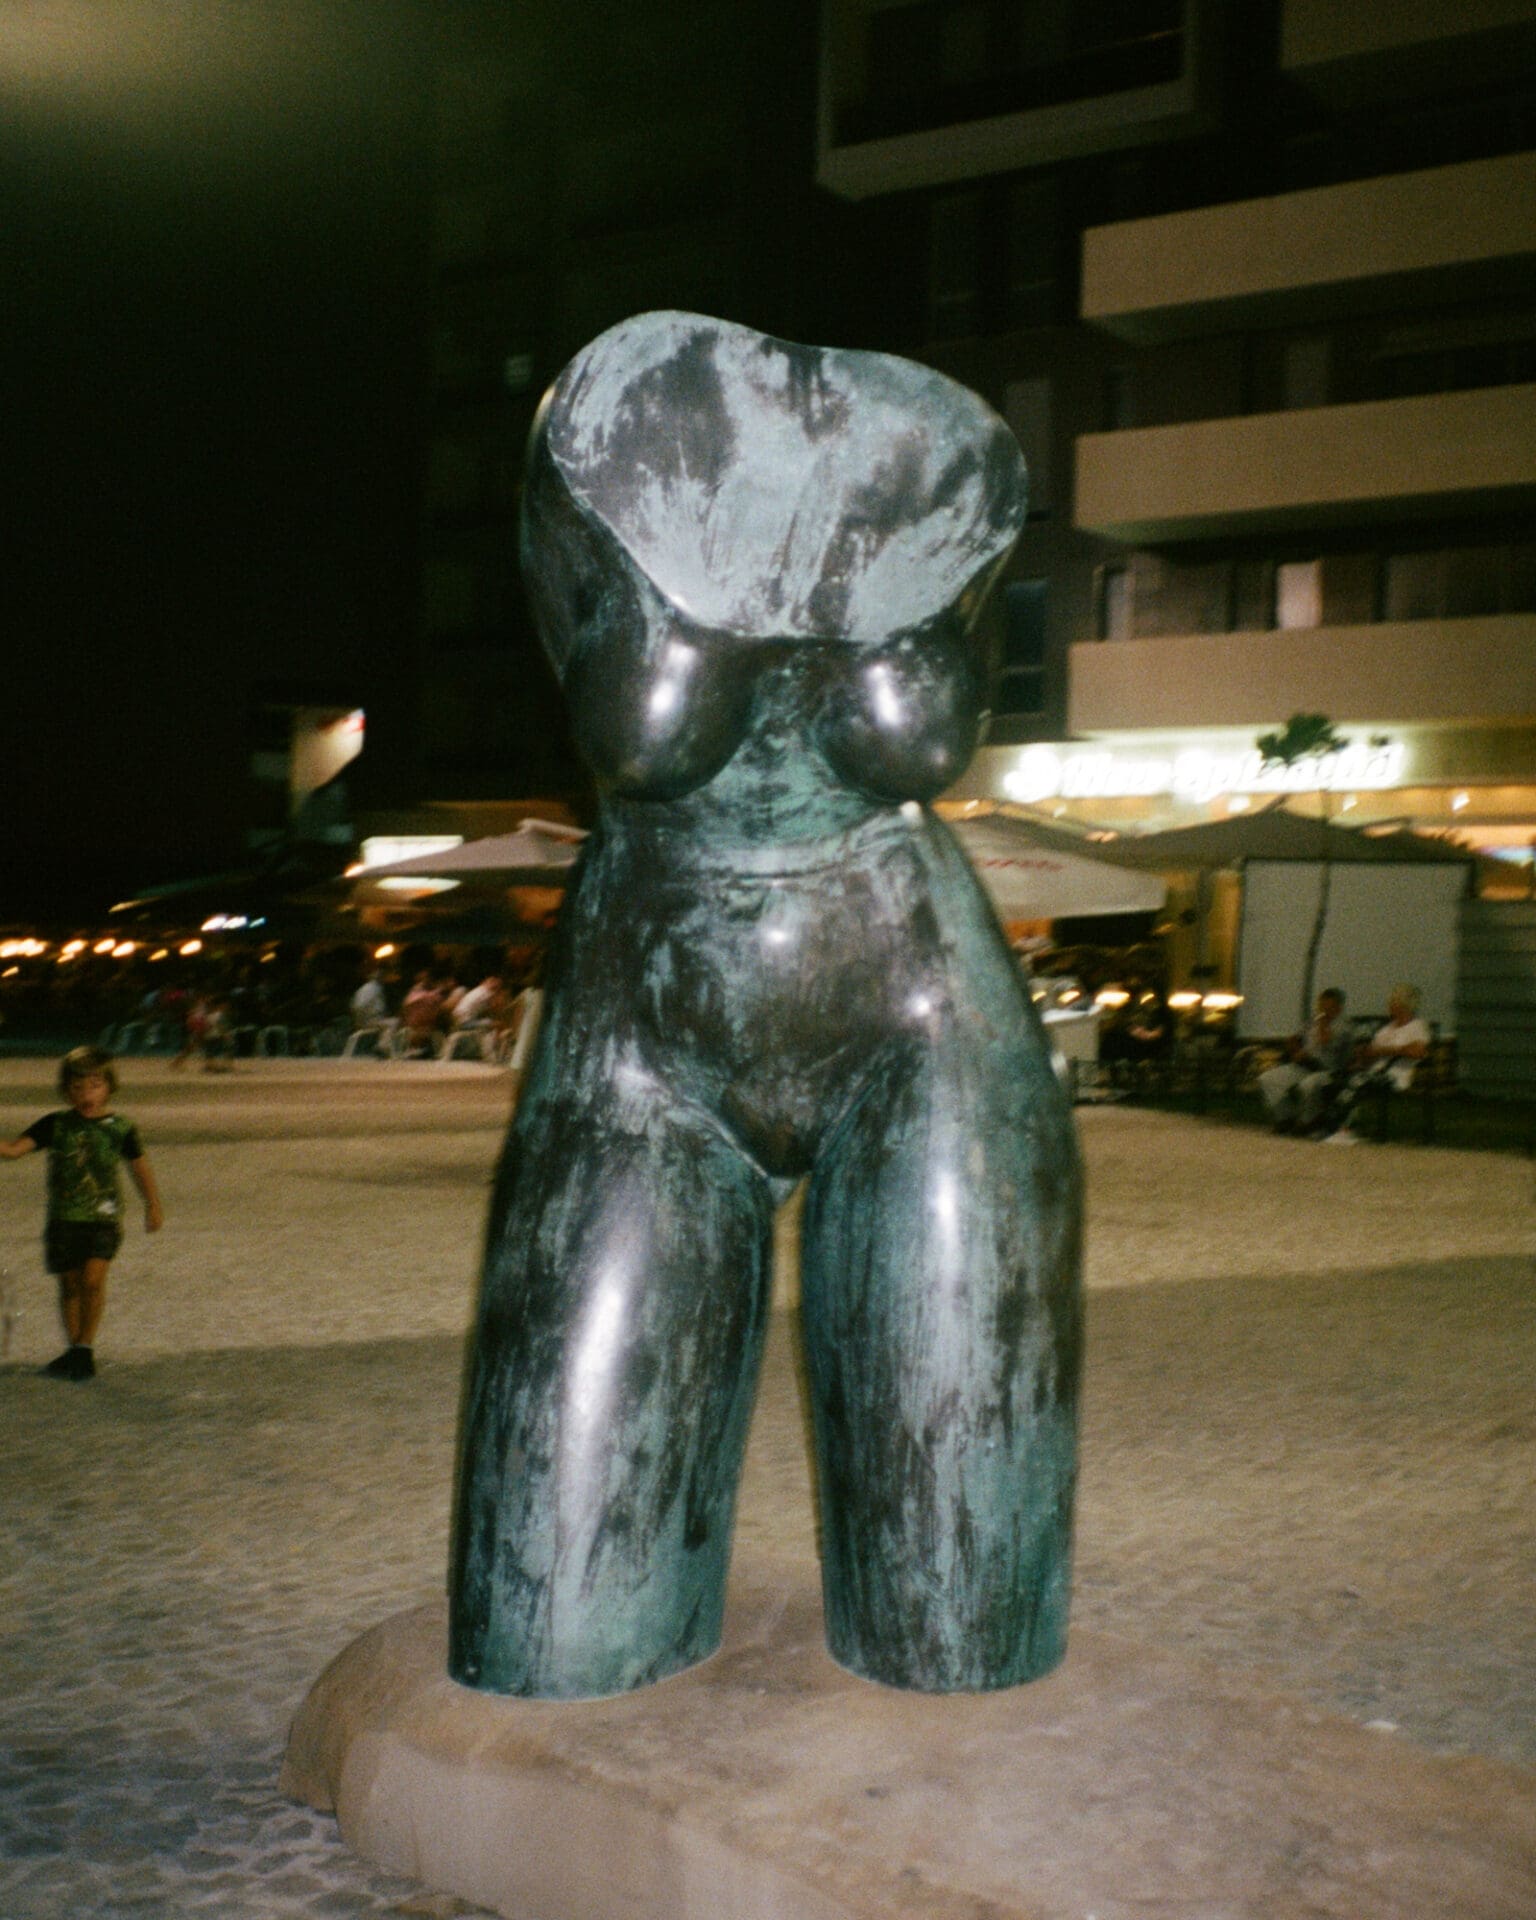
(610, 1387)
(942, 1313)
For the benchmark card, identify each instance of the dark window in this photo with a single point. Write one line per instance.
(1474, 581)
(900, 52)
(954, 264)
(1306, 370)
(1253, 596)
(1118, 406)
(1413, 586)
(1022, 679)
(964, 43)
(1034, 251)
(1179, 596)
(1349, 589)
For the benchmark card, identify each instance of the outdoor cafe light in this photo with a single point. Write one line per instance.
(1111, 997)
(1182, 1002)
(190, 947)
(161, 953)
(1222, 1002)
(103, 946)
(123, 948)
(71, 948)
(383, 953)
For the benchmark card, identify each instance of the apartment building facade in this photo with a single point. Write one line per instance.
(1257, 290)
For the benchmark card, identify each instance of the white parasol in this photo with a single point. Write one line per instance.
(1030, 880)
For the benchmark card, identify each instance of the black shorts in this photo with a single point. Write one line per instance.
(68, 1244)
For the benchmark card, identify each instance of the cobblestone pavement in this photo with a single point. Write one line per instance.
(1308, 1453)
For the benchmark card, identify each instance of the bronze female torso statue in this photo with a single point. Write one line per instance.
(757, 569)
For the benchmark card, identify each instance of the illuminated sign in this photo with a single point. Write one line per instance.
(1198, 774)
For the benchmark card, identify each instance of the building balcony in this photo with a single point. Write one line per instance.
(1381, 460)
(1459, 233)
(931, 93)
(1408, 673)
(1351, 51)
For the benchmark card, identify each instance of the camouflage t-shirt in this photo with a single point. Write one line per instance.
(83, 1161)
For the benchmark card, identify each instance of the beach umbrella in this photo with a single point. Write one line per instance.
(1031, 874)
(1274, 833)
(539, 853)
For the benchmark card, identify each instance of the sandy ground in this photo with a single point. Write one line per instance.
(316, 1201)
(1308, 1451)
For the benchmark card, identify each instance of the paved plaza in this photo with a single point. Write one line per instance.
(1308, 1453)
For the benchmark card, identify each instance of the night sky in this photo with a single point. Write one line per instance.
(214, 230)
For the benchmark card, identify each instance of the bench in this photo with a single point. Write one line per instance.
(1433, 1077)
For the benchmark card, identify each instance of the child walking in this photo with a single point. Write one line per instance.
(85, 1144)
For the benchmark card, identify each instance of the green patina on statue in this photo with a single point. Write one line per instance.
(757, 569)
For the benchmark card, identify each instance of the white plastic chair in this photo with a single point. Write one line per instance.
(381, 1032)
(480, 1035)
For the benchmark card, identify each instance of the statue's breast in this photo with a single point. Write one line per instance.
(895, 722)
(737, 546)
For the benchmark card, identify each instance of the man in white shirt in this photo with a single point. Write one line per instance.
(1392, 1054)
(370, 1004)
(477, 1006)
(1398, 1047)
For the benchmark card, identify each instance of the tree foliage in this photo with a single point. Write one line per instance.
(1302, 735)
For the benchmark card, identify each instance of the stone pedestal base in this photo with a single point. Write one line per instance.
(769, 1785)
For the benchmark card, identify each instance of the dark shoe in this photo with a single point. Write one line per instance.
(82, 1364)
(62, 1368)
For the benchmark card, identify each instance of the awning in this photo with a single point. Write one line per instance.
(1029, 879)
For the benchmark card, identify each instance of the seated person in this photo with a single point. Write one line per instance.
(1299, 1091)
(370, 1004)
(1392, 1055)
(218, 1037)
(478, 1006)
(421, 1014)
(1143, 1032)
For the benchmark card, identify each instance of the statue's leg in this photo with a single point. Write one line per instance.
(943, 1333)
(620, 1333)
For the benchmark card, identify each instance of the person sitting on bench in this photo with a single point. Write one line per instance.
(1297, 1091)
(1390, 1057)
